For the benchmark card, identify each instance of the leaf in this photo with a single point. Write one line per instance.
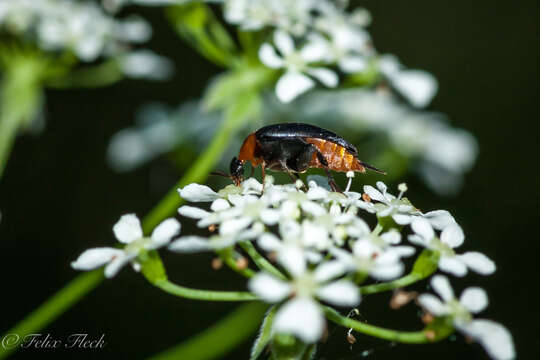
(265, 334)
(426, 264)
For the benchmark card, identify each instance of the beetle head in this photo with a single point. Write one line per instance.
(236, 170)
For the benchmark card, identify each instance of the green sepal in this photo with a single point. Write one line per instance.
(426, 264)
(152, 266)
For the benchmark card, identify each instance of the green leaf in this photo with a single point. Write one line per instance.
(426, 264)
(196, 23)
(265, 334)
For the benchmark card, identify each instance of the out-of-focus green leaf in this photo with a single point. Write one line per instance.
(196, 23)
(426, 264)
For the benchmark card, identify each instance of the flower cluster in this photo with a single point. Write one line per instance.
(84, 29)
(319, 247)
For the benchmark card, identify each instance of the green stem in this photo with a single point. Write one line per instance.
(206, 295)
(260, 261)
(227, 257)
(104, 74)
(408, 337)
(391, 285)
(220, 338)
(53, 307)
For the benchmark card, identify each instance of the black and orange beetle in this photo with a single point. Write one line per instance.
(294, 148)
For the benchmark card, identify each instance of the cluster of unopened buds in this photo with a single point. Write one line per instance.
(314, 247)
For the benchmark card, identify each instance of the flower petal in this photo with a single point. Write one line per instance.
(220, 205)
(164, 232)
(494, 337)
(269, 242)
(340, 293)
(328, 270)
(269, 288)
(301, 317)
(292, 258)
(452, 235)
(432, 304)
(402, 219)
(190, 244)
(324, 75)
(439, 219)
(474, 299)
(284, 42)
(94, 258)
(423, 228)
(269, 57)
(118, 263)
(128, 229)
(314, 51)
(417, 86)
(374, 194)
(233, 226)
(193, 212)
(291, 84)
(197, 193)
(478, 262)
(452, 265)
(441, 285)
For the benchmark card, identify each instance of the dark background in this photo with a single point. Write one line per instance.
(58, 196)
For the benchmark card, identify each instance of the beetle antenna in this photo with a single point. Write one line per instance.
(220, 173)
(370, 167)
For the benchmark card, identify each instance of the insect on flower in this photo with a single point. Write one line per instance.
(294, 148)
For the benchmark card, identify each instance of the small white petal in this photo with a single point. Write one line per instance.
(324, 75)
(340, 293)
(197, 193)
(269, 57)
(292, 84)
(301, 317)
(313, 208)
(418, 240)
(353, 64)
(402, 219)
(452, 235)
(391, 237)
(441, 285)
(94, 258)
(452, 265)
(417, 86)
(314, 51)
(284, 42)
(232, 226)
(193, 212)
(269, 288)
(478, 262)
(190, 244)
(269, 242)
(270, 216)
(118, 263)
(432, 304)
(164, 232)
(474, 299)
(374, 194)
(402, 251)
(292, 258)
(387, 272)
(494, 337)
(128, 229)
(423, 228)
(439, 219)
(220, 205)
(328, 270)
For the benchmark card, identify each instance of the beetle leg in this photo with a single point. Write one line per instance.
(263, 166)
(331, 180)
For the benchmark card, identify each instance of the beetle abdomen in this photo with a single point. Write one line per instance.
(338, 158)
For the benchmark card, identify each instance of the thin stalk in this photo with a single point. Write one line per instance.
(391, 285)
(260, 261)
(207, 295)
(227, 257)
(407, 337)
(223, 336)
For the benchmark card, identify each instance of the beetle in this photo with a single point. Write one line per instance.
(294, 148)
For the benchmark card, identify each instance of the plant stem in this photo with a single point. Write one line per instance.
(391, 285)
(408, 337)
(226, 256)
(260, 261)
(206, 295)
(221, 337)
(53, 307)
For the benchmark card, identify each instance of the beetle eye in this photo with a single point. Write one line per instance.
(236, 168)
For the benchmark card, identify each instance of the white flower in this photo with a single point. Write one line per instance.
(417, 86)
(301, 315)
(296, 64)
(451, 237)
(375, 256)
(494, 337)
(129, 232)
(146, 64)
(401, 210)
